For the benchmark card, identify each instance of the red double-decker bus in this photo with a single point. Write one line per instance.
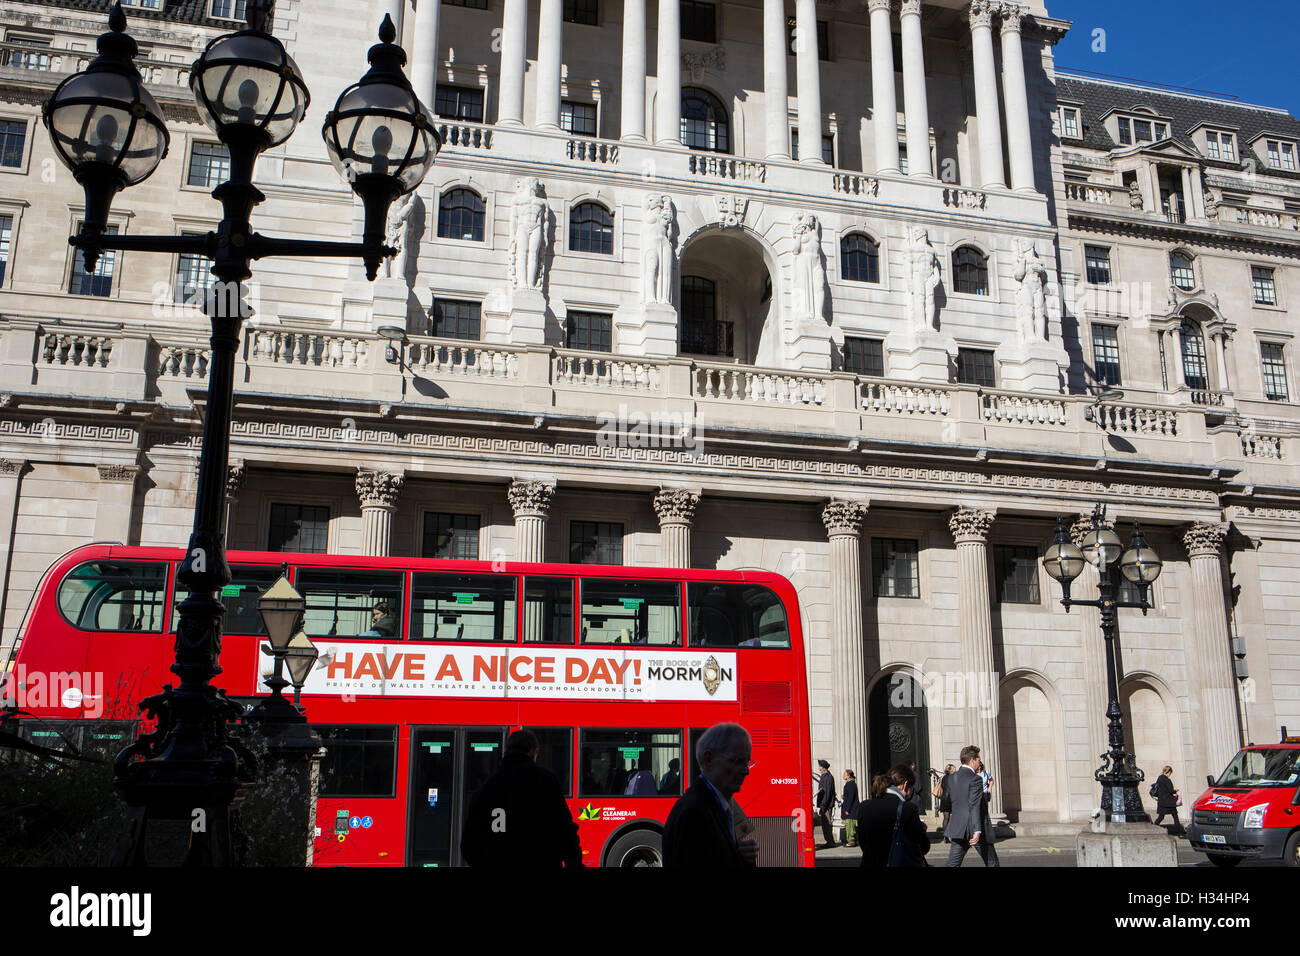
(426, 665)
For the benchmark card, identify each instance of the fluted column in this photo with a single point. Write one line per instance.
(986, 94)
(378, 492)
(669, 74)
(236, 474)
(675, 508)
(1096, 692)
(810, 83)
(632, 105)
(11, 475)
(114, 513)
(776, 81)
(843, 520)
(970, 532)
(1212, 693)
(550, 47)
(514, 40)
(884, 101)
(1016, 95)
(916, 106)
(424, 51)
(531, 502)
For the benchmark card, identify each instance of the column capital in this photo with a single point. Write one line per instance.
(120, 473)
(530, 497)
(1082, 524)
(12, 467)
(235, 477)
(971, 524)
(981, 13)
(379, 488)
(1204, 539)
(1011, 14)
(843, 518)
(910, 7)
(877, 5)
(676, 505)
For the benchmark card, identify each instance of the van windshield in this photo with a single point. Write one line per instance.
(1263, 768)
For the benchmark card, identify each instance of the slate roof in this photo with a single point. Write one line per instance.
(1186, 111)
(174, 11)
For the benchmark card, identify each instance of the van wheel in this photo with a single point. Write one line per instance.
(1225, 861)
(638, 848)
(1291, 855)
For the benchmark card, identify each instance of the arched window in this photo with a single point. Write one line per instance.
(705, 123)
(1193, 348)
(460, 215)
(591, 229)
(1181, 271)
(970, 271)
(859, 258)
(702, 333)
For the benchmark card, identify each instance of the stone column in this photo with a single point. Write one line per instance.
(424, 51)
(986, 95)
(668, 130)
(632, 104)
(550, 52)
(776, 81)
(236, 474)
(843, 520)
(11, 476)
(916, 108)
(514, 41)
(113, 514)
(810, 82)
(1212, 692)
(531, 502)
(1188, 210)
(884, 101)
(378, 492)
(1096, 691)
(675, 508)
(970, 531)
(1016, 94)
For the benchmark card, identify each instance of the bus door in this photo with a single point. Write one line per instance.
(448, 765)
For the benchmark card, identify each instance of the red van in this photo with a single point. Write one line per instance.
(1252, 812)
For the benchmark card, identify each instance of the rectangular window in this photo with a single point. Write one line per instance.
(975, 367)
(459, 103)
(472, 4)
(580, 11)
(13, 141)
(453, 319)
(555, 753)
(823, 37)
(1281, 155)
(595, 542)
(699, 21)
(36, 56)
(143, 4)
(229, 9)
(1125, 132)
(896, 42)
(589, 331)
(351, 602)
(1128, 591)
(6, 238)
(548, 610)
(1142, 131)
(578, 118)
(1097, 259)
(902, 159)
(302, 528)
(864, 356)
(1273, 357)
(1016, 571)
(193, 278)
(1069, 123)
(631, 612)
(736, 615)
(631, 763)
(463, 607)
(895, 568)
(451, 536)
(1261, 280)
(1105, 354)
(209, 165)
(828, 147)
(1219, 145)
(99, 282)
(359, 761)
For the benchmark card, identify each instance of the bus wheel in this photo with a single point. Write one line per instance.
(638, 848)
(1291, 855)
(1219, 859)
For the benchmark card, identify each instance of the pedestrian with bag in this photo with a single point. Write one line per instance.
(890, 830)
(849, 808)
(825, 804)
(1167, 800)
(945, 798)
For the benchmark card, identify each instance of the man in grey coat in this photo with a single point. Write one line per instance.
(969, 825)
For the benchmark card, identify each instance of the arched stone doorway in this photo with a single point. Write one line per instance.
(728, 309)
(1030, 750)
(898, 730)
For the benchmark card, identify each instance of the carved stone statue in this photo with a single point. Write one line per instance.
(399, 234)
(528, 222)
(1031, 299)
(809, 269)
(657, 250)
(924, 276)
(1135, 195)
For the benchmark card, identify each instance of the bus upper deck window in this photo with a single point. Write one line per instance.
(736, 615)
(240, 597)
(114, 596)
(349, 603)
(631, 612)
(463, 607)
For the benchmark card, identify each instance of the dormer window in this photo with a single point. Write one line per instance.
(1220, 145)
(1281, 154)
(1071, 125)
(1136, 129)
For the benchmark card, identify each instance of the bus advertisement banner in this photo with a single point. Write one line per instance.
(614, 673)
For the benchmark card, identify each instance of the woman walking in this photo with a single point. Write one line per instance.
(1167, 800)
(945, 799)
(849, 808)
(890, 830)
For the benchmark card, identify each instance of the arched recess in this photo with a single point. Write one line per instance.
(1153, 731)
(1031, 747)
(898, 707)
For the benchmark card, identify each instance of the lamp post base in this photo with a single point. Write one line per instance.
(1127, 845)
(182, 824)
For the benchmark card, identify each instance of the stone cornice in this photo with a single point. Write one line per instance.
(971, 525)
(843, 518)
(530, 497)
(1102, 219)
(676, 505)
(379, 488)
(1205, 538)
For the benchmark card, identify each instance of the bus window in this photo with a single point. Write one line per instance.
(104, 738)
(108, 596)
(736, 615)
(247, 584)
(462, 607)
(548, 610)
(631, 612)
(632, 763)
(351, 603)
(359, 761)
(555, 753)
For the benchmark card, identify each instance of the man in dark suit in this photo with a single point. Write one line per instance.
(825, 804)
(969, 826)
(701, 829)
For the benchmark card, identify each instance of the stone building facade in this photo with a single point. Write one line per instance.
(641, 324)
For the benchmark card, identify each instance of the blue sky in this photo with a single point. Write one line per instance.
(1247, 48)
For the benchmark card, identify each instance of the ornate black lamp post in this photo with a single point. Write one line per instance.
(110, 132)
(1118, 774)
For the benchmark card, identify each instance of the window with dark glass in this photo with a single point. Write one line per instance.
(461, 214)
(13, 140)
(1125, 132)
(555, 753)
(699, 21)
(193, 278)
(1098, 264)
(459, 103)
(631, 612)
(450, 536)
(823, 37)
(351, 602)
(828, 147)
(472, 4)
(975, 367)
(1015, 569)
(114, 596)
(896, 45)
(864, 356)
(229, 9)
(240, 596)
(463, 607)
(595, 542)
(1129, 590)
(548, 610)
(628, 762)
(705, 122)
(578, 118)
(970, 271)
(6, 239)
(101, 738)
(99, 282)
(33, 55)
(735, 615)
(581, 11)
(1069, 123)
(701, 332)
(591, 229)
(859, 258)
(303, 528)
(1263, 285)
(589, 331)
(209, 165)
(1105, 355)
(1195, 374)
(454, 319)
(895, 568)
(1273, 358)
(1181, 271)
(358, 762)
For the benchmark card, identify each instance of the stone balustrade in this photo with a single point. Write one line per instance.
(304, 349)
(465, 135)
(1021, 409)
(1129, 420)
(899, 398)
(451, 357)
(742, 384)
(603, 152)
(853, 184)
(75, 350)
(1259, 446)
(717, 166)
(1097, 194)
(602, 371)
(183, 361)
